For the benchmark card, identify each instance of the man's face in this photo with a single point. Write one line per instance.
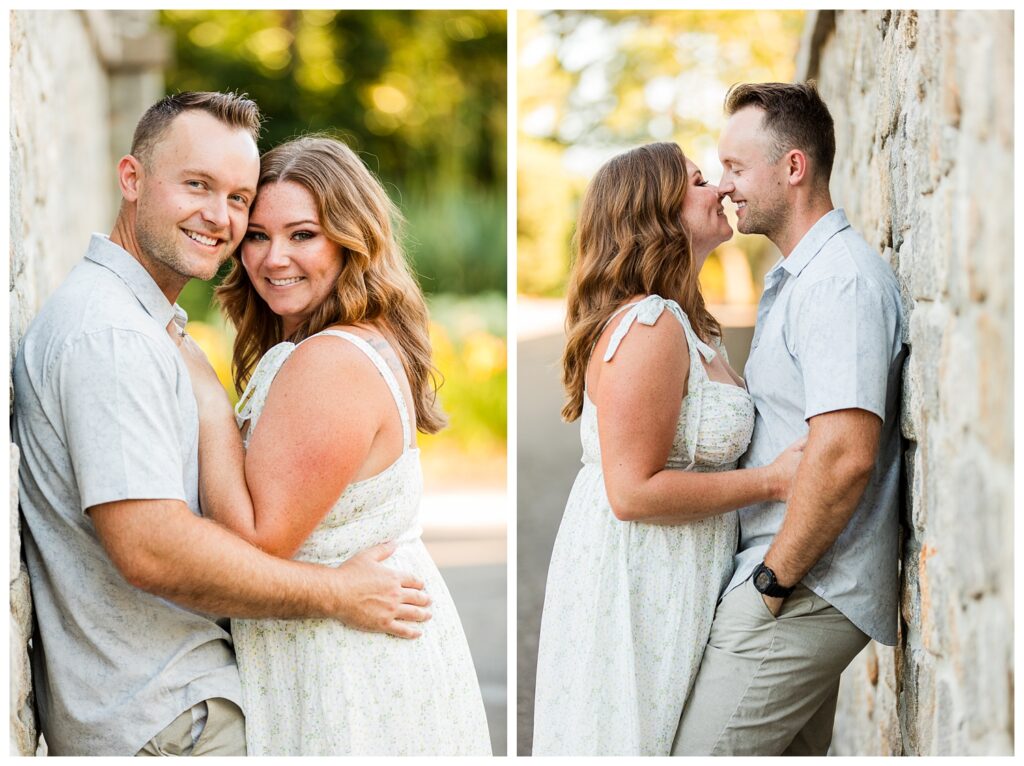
(756, 186)
(194, 195)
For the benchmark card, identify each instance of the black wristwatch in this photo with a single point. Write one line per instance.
(766, 582)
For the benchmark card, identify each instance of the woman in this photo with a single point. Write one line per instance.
(646, 542)
(333, 346)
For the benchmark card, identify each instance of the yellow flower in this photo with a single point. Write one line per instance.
(440, 343)
(484, 355)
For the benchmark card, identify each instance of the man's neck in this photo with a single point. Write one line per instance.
(169, 282)
(801, 222)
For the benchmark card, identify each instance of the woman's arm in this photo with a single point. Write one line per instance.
(329, 420)
(223, 494)
(638, 396)
(322, 415)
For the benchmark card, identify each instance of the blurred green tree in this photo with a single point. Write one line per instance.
(420, 95)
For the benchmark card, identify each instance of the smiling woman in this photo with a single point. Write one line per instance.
(703, 214)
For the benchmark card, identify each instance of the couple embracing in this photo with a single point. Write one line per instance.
(152, 512)
(673, 624)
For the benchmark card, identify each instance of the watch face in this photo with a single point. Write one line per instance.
(762, 580)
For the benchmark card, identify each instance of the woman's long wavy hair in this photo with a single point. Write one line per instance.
(375, 285)
(630, 240)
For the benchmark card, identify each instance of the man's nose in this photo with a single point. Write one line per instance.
(725, 186)
(216, 212)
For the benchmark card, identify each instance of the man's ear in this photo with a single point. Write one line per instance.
(129, 176)
(796, 167)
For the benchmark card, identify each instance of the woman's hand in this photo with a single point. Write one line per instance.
(206, 385)
(783, 468)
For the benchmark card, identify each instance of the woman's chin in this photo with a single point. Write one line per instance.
(278, 310)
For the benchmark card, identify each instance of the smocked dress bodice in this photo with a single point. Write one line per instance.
(716, 420)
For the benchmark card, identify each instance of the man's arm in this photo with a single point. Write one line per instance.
(159, 546)
(837, 463)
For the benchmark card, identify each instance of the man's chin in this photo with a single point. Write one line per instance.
(205, 276)
(743, 227)
(206, 269)
(203, 272)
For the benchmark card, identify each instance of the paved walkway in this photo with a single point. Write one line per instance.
(466, 535)
(548, 459)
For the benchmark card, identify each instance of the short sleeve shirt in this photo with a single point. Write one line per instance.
(829, 337)
(104, 411)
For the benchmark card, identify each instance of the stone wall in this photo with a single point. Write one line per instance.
(923, 104)
(79, 82)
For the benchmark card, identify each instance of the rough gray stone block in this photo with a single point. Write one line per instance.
(910, 140)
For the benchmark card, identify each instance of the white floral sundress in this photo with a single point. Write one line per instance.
(317, 687)
(628, 606)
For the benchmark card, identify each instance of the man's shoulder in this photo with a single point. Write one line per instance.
(90, 303)
(91, 299)
(847, 256)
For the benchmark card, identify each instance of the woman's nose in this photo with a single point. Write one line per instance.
(277, 253)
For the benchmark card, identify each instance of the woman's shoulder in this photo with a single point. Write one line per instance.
(337, 348)
(335, 365)
(643, 316)
(358, 355)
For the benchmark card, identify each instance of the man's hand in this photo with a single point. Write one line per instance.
(773, 603)
(379, 599)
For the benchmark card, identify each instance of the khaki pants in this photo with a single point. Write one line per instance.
(223, 734)
(768, 685)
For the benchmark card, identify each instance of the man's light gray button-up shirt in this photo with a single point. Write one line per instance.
(104, 411)
(829, 337)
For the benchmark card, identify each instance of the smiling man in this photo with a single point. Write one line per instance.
(815, 577)
(128, 579)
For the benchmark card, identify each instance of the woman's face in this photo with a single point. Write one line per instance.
(703, 215)
(289, 260)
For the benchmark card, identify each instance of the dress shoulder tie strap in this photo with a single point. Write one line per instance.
(646, 312)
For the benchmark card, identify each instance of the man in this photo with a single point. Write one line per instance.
(816, 577)
(125, 572)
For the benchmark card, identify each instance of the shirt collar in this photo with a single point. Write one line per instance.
(810, 245)
(114, 257)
